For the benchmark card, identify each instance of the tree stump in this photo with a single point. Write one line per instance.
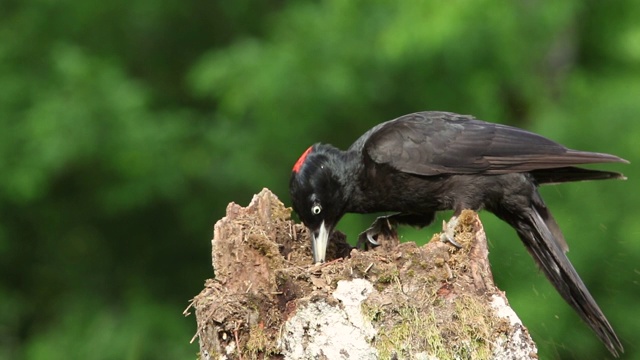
(399, 301)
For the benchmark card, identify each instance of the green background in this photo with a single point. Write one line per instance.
(126, 127)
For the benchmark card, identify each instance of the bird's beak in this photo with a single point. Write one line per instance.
(319, 243)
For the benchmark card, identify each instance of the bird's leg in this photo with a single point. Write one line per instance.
(448, 231)
(384, 225)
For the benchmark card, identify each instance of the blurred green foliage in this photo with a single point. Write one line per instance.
(127, 126)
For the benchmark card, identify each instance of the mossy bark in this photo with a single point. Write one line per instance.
(398, 301)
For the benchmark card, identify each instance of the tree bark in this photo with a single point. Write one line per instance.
(399, 301)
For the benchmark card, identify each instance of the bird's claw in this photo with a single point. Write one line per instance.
(370, 234)
(368, 239)
(448, 232)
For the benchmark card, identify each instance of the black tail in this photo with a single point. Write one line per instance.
(571, 173)
(542, 237)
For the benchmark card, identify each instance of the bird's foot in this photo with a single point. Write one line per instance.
(383, 226)
(448, 232)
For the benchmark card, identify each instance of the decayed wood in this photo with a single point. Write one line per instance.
(399, 301)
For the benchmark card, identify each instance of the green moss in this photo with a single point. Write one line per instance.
(388, 277)
(264, 245)
(411, 273)
(258, 343)
(414, 333)
(464, 334)
(372, 313)
(475, 326)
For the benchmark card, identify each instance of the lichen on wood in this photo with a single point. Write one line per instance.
(267, 300)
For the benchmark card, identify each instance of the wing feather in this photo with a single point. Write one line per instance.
(434, 143)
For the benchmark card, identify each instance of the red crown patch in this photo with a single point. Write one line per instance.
(300, 161)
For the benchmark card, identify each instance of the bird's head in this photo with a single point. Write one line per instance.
(317, 194)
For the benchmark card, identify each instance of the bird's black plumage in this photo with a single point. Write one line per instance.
(426, 162)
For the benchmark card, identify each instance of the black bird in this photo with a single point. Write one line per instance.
(425, 162)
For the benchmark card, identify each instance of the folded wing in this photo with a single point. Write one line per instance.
(434, 143)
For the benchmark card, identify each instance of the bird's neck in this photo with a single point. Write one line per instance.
(347, 167)
(344, 166)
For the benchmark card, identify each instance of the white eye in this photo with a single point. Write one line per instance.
(316, 209)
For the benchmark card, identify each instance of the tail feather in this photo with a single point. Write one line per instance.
(550, 222)
(540, 234)
(588, 157)
(572, 173)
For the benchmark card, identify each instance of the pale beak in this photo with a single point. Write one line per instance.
(319, 244)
